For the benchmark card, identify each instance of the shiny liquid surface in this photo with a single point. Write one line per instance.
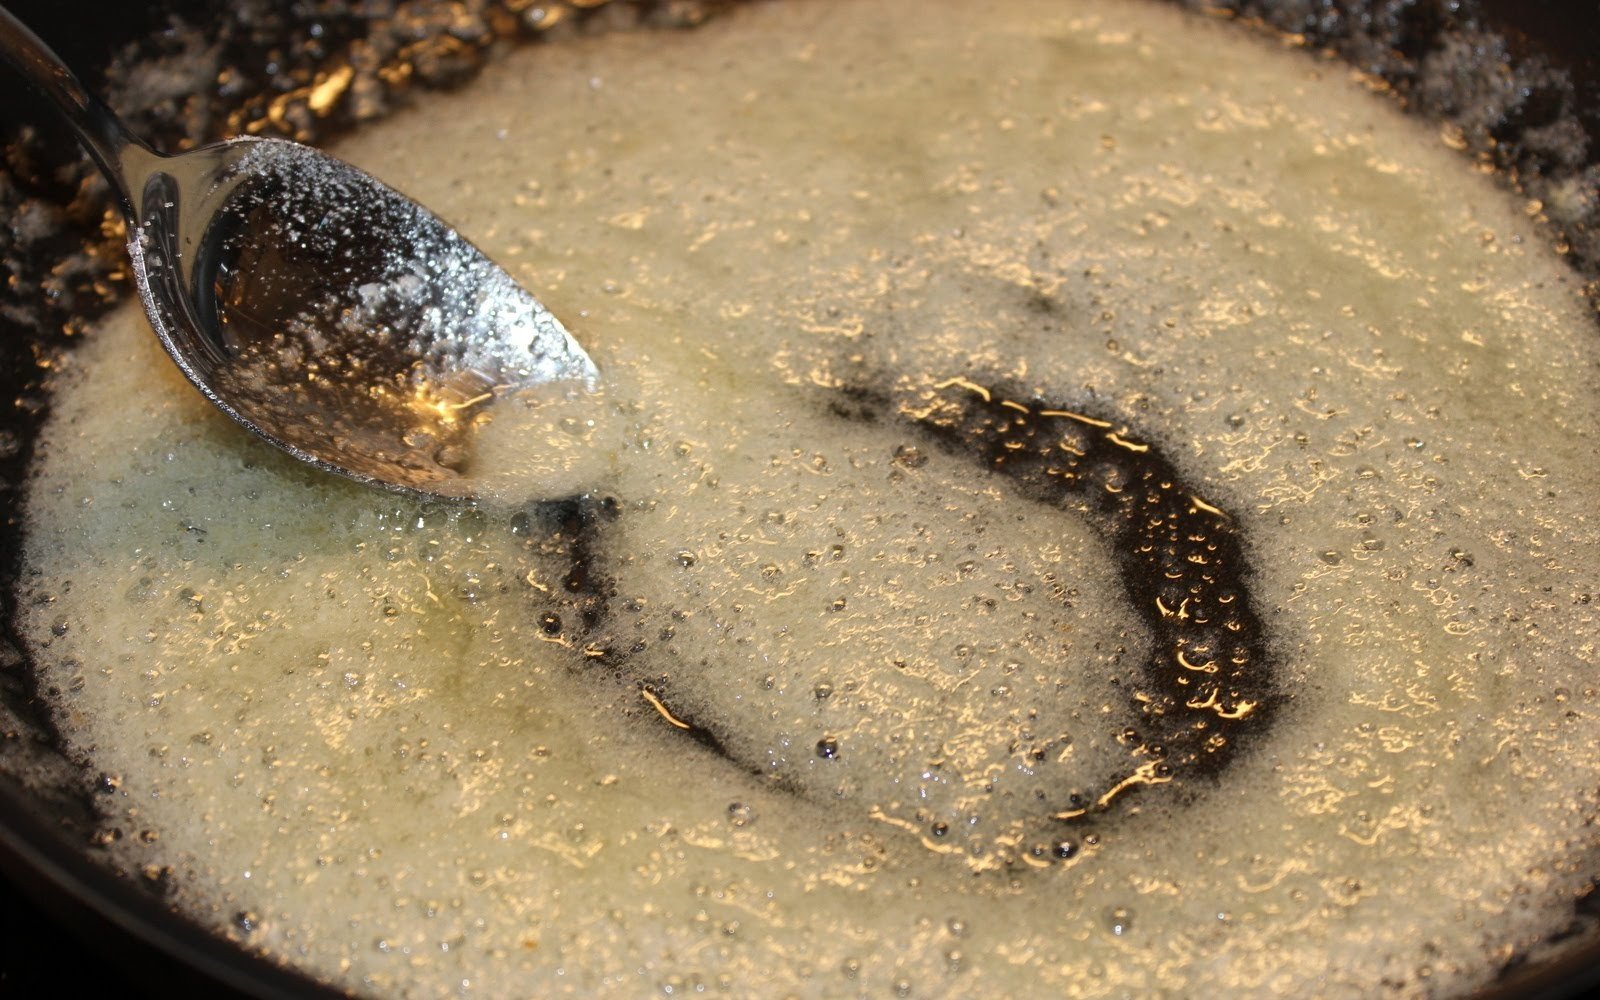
(355, 328)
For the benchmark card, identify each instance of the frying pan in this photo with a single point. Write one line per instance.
(1517, 80)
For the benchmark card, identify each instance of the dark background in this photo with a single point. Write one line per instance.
(49, 948)
(42, 957)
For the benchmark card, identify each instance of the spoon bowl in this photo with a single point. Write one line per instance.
(322, 310)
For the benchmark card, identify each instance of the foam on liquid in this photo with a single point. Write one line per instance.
(372, 738)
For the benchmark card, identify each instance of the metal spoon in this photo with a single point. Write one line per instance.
(322, 310)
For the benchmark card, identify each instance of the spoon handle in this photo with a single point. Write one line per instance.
(97, 127)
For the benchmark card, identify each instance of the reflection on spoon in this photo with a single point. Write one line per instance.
(319, 308)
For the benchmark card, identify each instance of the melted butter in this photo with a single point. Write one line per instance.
(550, 442)
(384, 732)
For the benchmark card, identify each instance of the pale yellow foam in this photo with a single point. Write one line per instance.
(344, 715)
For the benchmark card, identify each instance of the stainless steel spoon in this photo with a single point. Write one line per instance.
(322, 310)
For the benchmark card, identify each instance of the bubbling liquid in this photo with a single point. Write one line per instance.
(1091, 505)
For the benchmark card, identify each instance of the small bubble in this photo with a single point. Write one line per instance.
(471, 523)
(740, 814)
(428, 517)
(828, 748)
(1119, 920)
(685, 558)
(142, 591)
(910, 457)
(956, 926)
(822, 692)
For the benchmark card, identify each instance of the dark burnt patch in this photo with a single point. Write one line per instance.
(568, 532)
(1208, 684)
(861, 404)
(705, 737)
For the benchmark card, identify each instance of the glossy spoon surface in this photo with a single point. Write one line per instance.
(319, 308)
